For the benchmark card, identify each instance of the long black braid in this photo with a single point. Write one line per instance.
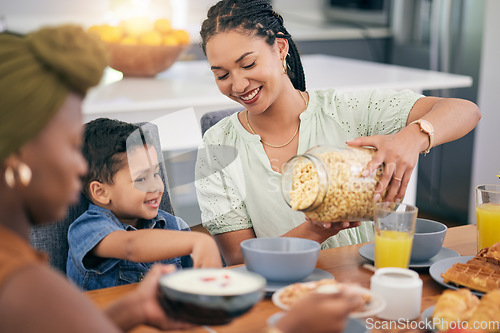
(257, 16)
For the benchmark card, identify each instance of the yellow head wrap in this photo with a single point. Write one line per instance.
(37, 72)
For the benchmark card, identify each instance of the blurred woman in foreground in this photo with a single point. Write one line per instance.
(43, 79)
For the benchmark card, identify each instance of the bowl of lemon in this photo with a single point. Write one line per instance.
(140, 46)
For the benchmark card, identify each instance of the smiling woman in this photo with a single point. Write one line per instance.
(256, 63)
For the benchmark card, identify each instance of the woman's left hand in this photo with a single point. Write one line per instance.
(398, 154)
(334, 227)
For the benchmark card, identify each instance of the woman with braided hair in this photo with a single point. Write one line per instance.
(256, 63)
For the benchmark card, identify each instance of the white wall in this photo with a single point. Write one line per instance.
(27, 15)
(486, 160)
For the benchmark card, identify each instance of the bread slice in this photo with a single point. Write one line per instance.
(481, 273)
(473, 276)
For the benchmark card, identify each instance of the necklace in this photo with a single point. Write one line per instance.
(286, 143)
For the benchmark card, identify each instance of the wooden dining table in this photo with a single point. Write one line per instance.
(344, 263)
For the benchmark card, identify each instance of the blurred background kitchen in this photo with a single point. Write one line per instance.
(455, 36)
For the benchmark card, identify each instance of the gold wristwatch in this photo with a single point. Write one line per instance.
(427, 128)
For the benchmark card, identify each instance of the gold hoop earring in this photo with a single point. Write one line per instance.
(10, 179)
(24, 172)
(285, 69)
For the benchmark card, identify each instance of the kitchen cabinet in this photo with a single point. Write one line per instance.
(439, 35)
(177, 98)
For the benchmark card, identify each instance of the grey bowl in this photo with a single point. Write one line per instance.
(428, 239)
(201, 305)
(283, 259)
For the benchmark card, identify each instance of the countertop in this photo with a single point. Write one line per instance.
(191, 84)
(189, 87)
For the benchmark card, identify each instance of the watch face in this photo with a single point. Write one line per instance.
(426, 127)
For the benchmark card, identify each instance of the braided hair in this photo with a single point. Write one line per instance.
(257, 16)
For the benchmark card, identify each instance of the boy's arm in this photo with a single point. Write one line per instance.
(148, 245)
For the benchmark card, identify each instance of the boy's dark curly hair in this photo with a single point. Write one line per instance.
(105, 143)
(256, 16)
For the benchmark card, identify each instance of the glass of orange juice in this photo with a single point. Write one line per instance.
(394, 229)
(488, 215)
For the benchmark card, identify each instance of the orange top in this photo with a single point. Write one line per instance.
(15, 254)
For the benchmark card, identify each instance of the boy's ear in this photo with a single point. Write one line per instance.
(99, 193)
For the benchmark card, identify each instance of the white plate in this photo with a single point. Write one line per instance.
(368, 252)
(427, 318)
(427, 313)
(442, 266)
(353, 325)
(272, 286)
(375, 306)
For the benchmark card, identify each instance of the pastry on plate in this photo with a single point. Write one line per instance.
(294, 292)
(487, 311)
(453, 306)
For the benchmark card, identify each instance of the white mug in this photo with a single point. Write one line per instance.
(402, 290)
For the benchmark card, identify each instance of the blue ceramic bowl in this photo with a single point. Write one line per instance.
(428, 239)
(209, 296)
(281, 259)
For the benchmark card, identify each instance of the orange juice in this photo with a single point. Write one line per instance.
(488, 225)
(392, 248)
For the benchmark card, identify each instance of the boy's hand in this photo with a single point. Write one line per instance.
(205, 252)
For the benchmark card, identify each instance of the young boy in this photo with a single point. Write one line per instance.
(123, 233)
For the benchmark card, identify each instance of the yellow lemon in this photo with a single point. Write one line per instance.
(129, 40)
(182, 36)
(95, 29)
(151, 38)
(136, 26)
(163, 26)
(111, 34)
(170, 40)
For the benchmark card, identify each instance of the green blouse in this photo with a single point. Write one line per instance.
(236, 187)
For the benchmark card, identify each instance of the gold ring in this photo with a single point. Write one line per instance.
(398, 179)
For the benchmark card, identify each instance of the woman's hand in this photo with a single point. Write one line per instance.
(399, 154)
(318, 231)
(146, 299)
(317, 313)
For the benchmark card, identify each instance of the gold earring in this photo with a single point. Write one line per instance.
(284, 66)
(10, 179)
(24, 172)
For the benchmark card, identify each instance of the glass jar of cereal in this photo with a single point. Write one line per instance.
(326, 183)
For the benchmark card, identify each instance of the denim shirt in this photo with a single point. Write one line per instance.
(92, 227)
